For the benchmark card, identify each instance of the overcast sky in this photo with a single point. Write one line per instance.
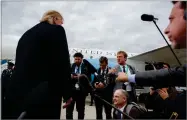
(107, 25)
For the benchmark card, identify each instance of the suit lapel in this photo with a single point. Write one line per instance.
(82, 68)
(131, 69)
(73, 68)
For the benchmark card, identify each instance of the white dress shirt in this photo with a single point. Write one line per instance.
(127, 71)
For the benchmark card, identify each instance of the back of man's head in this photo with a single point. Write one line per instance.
(52, 17)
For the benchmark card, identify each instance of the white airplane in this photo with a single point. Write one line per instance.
(162, 54)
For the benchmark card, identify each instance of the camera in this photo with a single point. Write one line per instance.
(153, 65)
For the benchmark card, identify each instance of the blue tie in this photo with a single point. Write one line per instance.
(119, 115)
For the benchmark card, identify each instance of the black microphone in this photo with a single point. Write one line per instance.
(146, 17)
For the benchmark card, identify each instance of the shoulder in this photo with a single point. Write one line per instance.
(130, 66)
(134, 112)
(117, 66)
(73, 65)
(50, 27)
(58, 28)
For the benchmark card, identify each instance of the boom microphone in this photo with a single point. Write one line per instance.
(146, 17)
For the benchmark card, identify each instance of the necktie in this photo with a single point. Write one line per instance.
(124, 69)
(124, 86)
(119, 115)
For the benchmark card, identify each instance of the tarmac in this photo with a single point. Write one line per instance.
(90, 112)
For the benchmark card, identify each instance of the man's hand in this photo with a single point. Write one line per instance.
(122, 77)
(163, 94)
(68, 102)
(101, 85)
(96, 85)
(112, 71)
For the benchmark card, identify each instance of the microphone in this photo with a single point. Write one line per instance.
(146, 17)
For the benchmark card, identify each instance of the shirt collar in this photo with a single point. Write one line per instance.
(122, 108)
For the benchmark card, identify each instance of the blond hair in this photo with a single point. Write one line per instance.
(49, 15)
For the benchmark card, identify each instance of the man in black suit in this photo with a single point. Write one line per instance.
(43, 46)
(81, 86)
(104, 88)
(5, 81)
(176, 32)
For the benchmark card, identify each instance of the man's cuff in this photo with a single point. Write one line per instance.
(131, 78)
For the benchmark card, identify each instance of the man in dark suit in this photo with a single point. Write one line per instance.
(5, 81)
(128, 69)
(104, 88)
(120, 100)
(80, 85)
(43, 46)
(176, 32)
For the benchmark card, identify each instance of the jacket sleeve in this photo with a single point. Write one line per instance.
(162, 78)
(63, 75)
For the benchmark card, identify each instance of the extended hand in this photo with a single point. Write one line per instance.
(122, 77)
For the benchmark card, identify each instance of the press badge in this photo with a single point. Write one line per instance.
(77, 86)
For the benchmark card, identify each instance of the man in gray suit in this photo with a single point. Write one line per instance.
(128, 69)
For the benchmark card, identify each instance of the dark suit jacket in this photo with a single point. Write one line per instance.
(177, 105)
(106, 92)
(41, 55)
(134, 113)
(162, 78)
(84, 86)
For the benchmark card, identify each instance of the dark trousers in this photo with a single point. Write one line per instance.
(92, 98)
(79, 99)
(99, 108)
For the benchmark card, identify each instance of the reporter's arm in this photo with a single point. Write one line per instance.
(131, 78)
(162, 78)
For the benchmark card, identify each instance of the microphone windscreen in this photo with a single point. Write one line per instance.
(146, 17)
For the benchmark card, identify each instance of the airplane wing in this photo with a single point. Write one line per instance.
(163, 54)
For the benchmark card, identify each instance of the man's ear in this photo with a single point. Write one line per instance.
(124, 98)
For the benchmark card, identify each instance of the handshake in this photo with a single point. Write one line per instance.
(121, 76)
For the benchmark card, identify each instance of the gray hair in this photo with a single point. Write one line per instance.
(125, 93)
